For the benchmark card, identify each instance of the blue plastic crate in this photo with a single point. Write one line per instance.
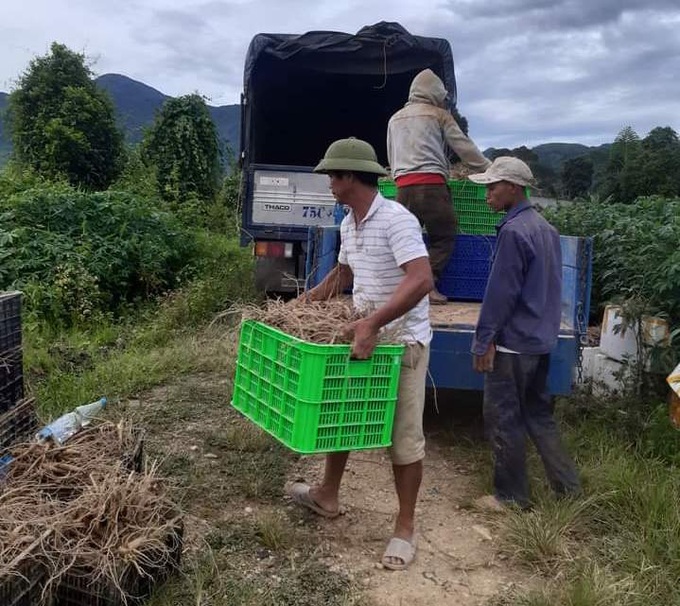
(466, 275)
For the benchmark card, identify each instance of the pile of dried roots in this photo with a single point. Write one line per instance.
(82, 510)
(322, 322)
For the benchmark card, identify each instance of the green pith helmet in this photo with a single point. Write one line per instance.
(350, 155)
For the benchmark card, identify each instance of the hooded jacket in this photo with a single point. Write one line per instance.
(419, 133)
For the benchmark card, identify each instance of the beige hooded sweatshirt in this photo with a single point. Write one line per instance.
(418, 134)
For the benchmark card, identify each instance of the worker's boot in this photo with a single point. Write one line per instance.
(437, 298)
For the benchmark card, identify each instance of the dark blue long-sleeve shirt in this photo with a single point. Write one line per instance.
(521, 309)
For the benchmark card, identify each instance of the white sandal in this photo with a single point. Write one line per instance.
(400, 549)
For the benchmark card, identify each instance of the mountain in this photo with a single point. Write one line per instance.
(554, 155)
(136, 105)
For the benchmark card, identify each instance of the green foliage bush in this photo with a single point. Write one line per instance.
(183, 147)
(16, 178)
(76, 253)
(636, 249)
(660, 440)
(62, 124)
(137, 177)
(221, 275)
(643, 167)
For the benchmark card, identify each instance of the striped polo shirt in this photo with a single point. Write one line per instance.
(388, 237)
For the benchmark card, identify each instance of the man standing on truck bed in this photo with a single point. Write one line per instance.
(383, 255)
(418, 138)
(517, 329)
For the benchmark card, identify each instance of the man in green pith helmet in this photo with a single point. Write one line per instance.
(383, 256)
(419, 137)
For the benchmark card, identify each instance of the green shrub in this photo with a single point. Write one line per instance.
(75, 253)
(220, 276)
(15, 178)
(659, 438)
(636, 252)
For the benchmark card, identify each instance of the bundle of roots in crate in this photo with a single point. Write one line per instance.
(460, 172)
(80, 510)
(322, 322)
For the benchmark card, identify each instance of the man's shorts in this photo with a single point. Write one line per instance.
(408, 439)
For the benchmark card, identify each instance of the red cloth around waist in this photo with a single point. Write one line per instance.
(420, 179)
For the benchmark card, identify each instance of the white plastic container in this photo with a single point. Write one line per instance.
(619, 343)
(603, 371)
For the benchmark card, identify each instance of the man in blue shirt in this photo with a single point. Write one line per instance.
(517, 329)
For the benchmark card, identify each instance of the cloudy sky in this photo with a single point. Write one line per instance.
(528, 71)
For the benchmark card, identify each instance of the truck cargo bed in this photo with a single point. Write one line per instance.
(455, 314)
(453, 326)
(459, 314)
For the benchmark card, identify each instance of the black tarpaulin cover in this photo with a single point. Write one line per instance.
(301, 92)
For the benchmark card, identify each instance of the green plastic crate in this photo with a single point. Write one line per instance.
(387, 188)
(474, 215)
(469, 200)
(314, 398)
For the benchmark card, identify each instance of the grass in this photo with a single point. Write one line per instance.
(253, 552)
(274, 531)
(146, 347)
(620, 543)
(545, 536)
(212, 581)
(128, 371)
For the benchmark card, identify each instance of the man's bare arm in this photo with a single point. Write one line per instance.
(335, 283)
(415, 284)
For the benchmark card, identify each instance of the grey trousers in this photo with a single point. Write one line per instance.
(517, 404)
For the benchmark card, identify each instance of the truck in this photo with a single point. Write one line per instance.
(302, 92)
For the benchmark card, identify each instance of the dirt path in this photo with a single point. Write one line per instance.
(231, 477)
(457, 561)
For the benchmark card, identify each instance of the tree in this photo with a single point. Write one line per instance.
(464, 126)
(577, 176)
(545, 176)
(646, 167)
(63, 125)
(622, 181)
(183, 146)
(660, 160)
(626, 145)
(501, 151)
(525, 154)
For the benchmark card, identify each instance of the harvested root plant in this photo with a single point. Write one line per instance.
(322, 322)
(82, 509)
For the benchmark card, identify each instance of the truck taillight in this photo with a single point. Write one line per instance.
(274, 249)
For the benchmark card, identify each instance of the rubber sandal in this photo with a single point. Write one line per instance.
(299, 493)
(401, 549)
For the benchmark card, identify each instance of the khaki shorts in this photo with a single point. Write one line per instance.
(408, 439)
